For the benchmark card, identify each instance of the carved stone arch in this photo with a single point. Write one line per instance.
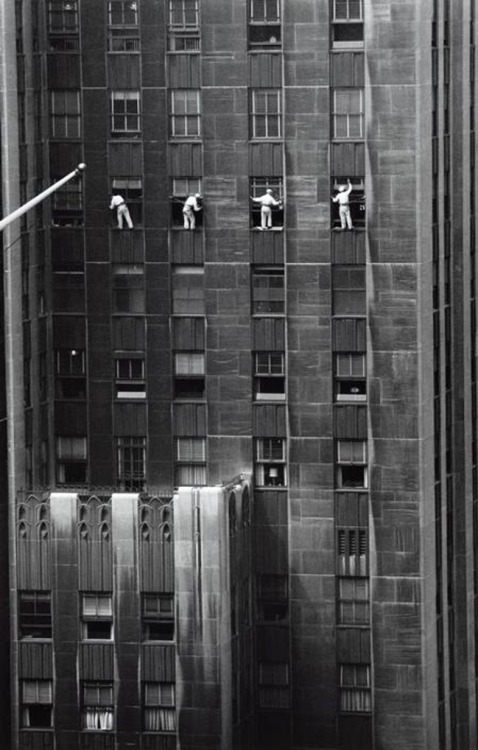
(84, 530)
(42, 513)
(165, 514)
(104, 513)
(145, 532)
(22, 530)
(22, 513)
(104, 532)
(43, 531)
(84, 513)
(145, 515)
(166, 533)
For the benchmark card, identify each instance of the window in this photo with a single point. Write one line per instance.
(269, 377)
(259, 186)
(37, 704)
(268, 291)
(353, 605)
(128, 288)
(123, 34)
(189, 381)
(132, 192)
(97, 706)
(185, 117)
(71, 460)
(348, 113)
(65, 109)
(188, 290)
(352, 552)
(347, 23)
(266, 113)
(264, 23)
(351, 464)
(70, 380)
(34, 614)
(182, 188)
(270, 469)
(129, 374)
(97, 617)
(158, 617)
(125, 113)
(355, 688)
(356, 201)
(123, 13)
(131, 458)
(159, 707)
(349, 290)
(273, 685)
(67, 204)
(191, 458)
(350, 377)
(63, 25)
(184, 14)
(272, 598)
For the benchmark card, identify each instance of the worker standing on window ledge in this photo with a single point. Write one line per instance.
(190, 206)
(122, 211)
(342, 198)
(267, 201)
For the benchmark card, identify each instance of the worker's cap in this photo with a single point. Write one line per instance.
(342, 188)
(198, 195)
(269, 190)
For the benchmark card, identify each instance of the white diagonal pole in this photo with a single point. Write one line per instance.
(40, 197)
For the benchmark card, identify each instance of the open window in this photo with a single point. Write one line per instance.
(131, 463)
(158, 617)
(97, 617)
(356, 201)
(71, 458)
(97, 706)
(264, 24)
(129, 378)
(34, 614)
(270, 464)
(132, 192)
(347, 24)
(182, 188)
(269, 376)
(268, 293)
(189, 377)
(350, 377)
(259, 187)
(159, 707)
(63, 29)
(191, 461)
(351, 470)
(70, 380)
(37, 704)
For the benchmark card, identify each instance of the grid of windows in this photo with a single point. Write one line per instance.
(97, 706)
(159, 707)
(131, 462)
(266, 113)
(185, 113)
(348, 113)
(125, 113)
(65, 119)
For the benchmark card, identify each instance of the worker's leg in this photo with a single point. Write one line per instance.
(343, 221)
(128, 217)
(119, 217)
(348, 216)
(192, 220)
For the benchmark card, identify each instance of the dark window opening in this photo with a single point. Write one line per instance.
(264, 35)
(356, 201)
(192, 387)
(268, 295)
(350, 477)
(158, 617)
(100, 630)
(123, 40)
(36, 717)
(182, 189)
(132, 192)
(259, 189)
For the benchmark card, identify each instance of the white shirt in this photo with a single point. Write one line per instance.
(116, 200)
(191, 203)
(343, 197)
(266, 200)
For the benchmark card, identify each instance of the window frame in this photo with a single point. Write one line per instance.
(30, 623)
(270, 468)
(355, 464)
(65, 114)
(184, 24)
(353, 600)
(345, 25)
(159, 712)
(188, 299)
(131, 462)
(350, 377)
(350, 133)
(97, 706)
(266, 122)
(181, 189)
(71, 454)
(36, 696)
(129, 384)
(158, 618)
(269, 385)
(180, 114)
(124, 124)
(99, 615)
(353, 687)
(268, 303)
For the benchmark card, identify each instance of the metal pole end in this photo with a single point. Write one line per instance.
(80, 168)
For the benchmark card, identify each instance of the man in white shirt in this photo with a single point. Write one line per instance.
(267, 201)
(122, 211)
(190, 206)
(342, 198)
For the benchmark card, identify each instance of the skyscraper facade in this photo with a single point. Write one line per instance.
(240, 383)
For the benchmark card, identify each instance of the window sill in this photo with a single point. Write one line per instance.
(267, 229)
